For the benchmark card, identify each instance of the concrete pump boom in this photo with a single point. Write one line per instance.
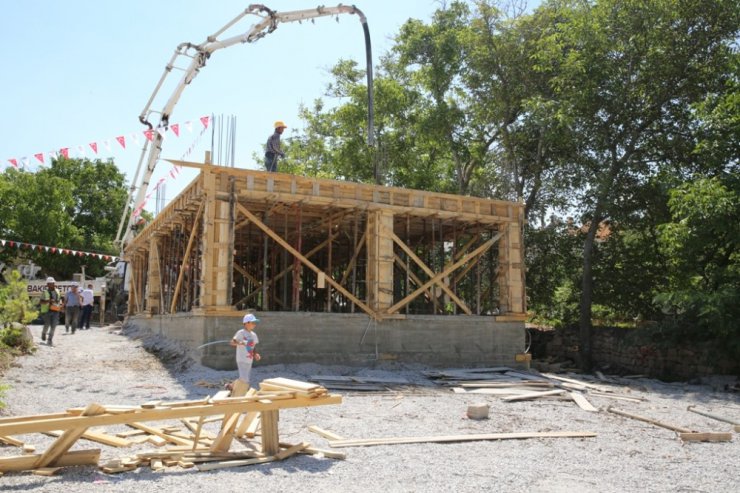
(199, 55)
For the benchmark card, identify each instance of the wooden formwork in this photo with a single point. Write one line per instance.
(236, 239)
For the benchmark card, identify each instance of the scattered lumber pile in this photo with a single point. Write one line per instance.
(240, 413)
(515, 385)
(355, 383)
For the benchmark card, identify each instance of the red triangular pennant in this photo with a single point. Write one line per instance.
(94, 146)
(149, 134)
(64, 151)
(205, 120)
(121, 140)
(14, 162)
(40, 157)
(175, 129)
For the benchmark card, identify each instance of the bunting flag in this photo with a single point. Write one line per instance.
(58, 250)
(24, 162)
(172, 173)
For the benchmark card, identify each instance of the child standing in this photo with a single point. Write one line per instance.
(245, 341)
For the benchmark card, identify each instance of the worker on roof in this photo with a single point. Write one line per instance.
(272, 149)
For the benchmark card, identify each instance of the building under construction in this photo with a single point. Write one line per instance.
(338, 272)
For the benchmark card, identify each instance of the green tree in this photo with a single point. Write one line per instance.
(703, 245)
(73, 204)
(15, 305)
(628, 75)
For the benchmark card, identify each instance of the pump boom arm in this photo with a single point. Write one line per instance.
(199, 55)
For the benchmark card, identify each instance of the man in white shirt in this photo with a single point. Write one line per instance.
(88, 298)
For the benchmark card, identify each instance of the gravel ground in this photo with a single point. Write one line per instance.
(102, 365)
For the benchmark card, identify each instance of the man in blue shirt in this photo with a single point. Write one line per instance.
(272, 149)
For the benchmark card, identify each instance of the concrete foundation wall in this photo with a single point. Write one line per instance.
(352, 339)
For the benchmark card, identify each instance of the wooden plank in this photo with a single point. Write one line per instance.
(245, 424)
(325, 433)
(317, 451)
(533, 395)
(617, 396)
(223, 440)
(209, 466)
(270, 436)
(100, 437)
(254, 426)
(11, 441)
(66, 439)
(74, 458)
(582, 402)
(576, 382)
(292, 450)
(161, 434)
(46, 471)
(157, 414)
(648, 420)
(706, 437)
(511, 391)
(459, 438)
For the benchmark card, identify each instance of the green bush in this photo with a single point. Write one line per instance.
(14, 339)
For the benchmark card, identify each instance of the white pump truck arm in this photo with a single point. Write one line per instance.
(198, 55)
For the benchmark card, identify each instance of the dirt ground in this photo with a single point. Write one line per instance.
(111, 367)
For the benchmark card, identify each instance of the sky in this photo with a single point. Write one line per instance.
(80, 72)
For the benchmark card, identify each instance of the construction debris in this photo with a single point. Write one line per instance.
(458, 438)
(683, 433)
(478, 411)
(239, 412)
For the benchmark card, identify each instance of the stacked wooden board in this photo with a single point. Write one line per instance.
(241, 412)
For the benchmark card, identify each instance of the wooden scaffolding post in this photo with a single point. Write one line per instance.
(154, 280)
(218, 252)
(379, 260)
(511, 268)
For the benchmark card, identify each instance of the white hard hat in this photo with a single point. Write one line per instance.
(50, 279)
(249, 317)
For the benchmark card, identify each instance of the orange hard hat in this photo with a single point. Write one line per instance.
(280, 123)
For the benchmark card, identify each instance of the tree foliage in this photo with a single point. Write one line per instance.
(74, 204)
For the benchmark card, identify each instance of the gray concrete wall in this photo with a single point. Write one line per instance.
(353, 339)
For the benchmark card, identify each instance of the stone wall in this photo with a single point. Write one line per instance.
(630, 351)
(353, 339)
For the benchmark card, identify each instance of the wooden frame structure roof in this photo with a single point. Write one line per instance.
(237, 238)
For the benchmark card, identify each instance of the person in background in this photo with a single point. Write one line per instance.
(50, 305)
(272, 149)
(245, 341)
(72, 301)
(88, 298)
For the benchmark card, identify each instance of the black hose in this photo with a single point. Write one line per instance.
(370, 103)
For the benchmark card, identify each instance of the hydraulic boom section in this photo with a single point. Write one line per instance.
(198, 56)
